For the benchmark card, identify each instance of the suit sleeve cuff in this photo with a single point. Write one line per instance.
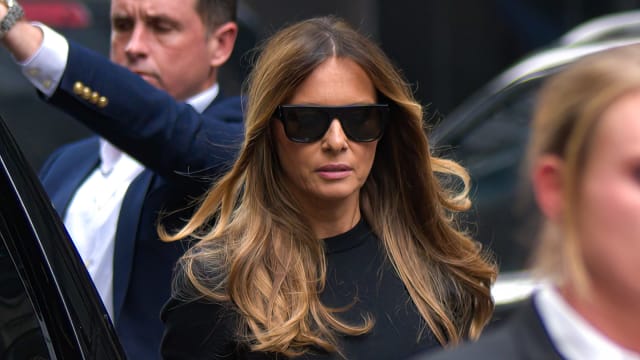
(45, 68)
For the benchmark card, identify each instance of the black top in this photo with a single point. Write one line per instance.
(357, 269)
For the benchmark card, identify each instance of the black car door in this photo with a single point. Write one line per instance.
(49, 308)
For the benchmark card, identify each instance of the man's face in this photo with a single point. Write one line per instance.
(165, 42)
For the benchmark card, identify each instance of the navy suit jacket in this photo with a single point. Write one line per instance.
(182, 152)
(521, 337)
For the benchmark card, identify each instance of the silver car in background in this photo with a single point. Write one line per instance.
(488, 133)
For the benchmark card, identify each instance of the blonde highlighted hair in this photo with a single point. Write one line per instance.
(257, 253)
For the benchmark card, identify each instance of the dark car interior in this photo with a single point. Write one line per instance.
(20, 334)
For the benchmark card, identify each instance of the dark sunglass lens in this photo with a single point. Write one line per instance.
(363, 124)
(304, 125)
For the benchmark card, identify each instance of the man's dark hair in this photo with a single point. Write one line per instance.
(216, 12)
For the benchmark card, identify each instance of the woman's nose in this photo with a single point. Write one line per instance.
(334, 139)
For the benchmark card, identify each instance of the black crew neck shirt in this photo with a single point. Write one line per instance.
(359, 278)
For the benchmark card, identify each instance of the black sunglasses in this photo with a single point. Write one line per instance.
(307, 124)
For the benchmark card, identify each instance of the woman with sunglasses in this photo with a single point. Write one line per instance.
(332, 236)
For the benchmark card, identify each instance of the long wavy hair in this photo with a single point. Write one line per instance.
(257, 253)
(568, 111)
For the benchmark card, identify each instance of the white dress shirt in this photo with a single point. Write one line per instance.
(92, 216)
(571, 334)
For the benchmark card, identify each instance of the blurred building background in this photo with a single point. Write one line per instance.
(449, 48)
(446, 48)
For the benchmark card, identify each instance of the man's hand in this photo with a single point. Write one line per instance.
(23, 39)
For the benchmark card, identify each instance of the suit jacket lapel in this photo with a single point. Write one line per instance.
(126, 235)
(531, 335)
(68, 173)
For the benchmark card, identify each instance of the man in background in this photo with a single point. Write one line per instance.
(154, 154)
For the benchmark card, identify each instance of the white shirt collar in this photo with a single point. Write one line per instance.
(572, 335)
(109, 154)
(202, 100)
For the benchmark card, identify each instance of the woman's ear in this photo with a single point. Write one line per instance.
(548, 187)
(221, 42)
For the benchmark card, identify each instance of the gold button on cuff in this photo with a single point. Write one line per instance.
(102, 102)
(94, 97)
(33, 71)
(86, 93)
(47, 84)
(77, 87)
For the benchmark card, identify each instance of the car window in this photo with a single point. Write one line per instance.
(20, 333)
(491, 146)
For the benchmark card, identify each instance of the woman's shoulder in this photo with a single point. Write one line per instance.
(196, 327)
(198, 309)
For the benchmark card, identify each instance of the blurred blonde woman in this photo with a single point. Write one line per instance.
(585, 170)
(332, 236)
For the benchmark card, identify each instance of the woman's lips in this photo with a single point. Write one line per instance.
(334, 171)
